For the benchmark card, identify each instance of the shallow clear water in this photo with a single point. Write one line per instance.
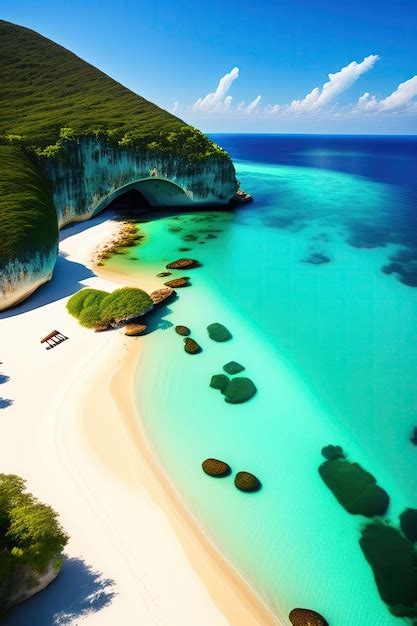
(330, 346)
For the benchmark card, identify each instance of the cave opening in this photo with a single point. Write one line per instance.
(129, 201)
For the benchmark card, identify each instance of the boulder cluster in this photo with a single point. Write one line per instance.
(244, 481)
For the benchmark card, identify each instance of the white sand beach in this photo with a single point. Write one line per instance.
(68, 426)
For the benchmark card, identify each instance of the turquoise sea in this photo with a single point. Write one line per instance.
(329, 339)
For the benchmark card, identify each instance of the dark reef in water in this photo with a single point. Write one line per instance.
(218, 332)
(408, 523)
(331, 453)
(233, 368)
(354, 488)
(219, 381)
(238, 390)
(404, 264)
(394, 563)
(317, 258)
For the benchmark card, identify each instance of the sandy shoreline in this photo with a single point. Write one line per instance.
(233, 596)
(68, 426)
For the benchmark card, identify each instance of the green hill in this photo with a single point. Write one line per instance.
(44, 87)
(50, 98)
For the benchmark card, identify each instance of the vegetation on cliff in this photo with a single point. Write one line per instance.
(31, 538)
(28, 221)
(50, 96)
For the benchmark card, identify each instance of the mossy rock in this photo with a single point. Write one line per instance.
(214, 467)
(191, 346)
(178, 282)
(331, 453)
(184, 331)
(394, 564)
(306, 617)
(239, 389)
(245, 481)
(219, 381)
(354, 488)
(218, 332)
(181, 264)
(233, 368)
(163, 274)
(408, 523)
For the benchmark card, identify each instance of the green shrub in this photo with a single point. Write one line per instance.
(84, 298)
(90, 317)
(125, 303)
(30, 533)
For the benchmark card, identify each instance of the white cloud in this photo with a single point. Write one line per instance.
(177, 107)
(401, 98)
(216, 100)
(337, 83)
(253, 105)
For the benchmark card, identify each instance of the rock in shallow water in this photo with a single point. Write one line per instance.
(178, 282)
(182, 330)
(245, 481)
(132, 330)
(233, 368)
(214, 467)
(191, 346)
(163, 274)
(162, 295)
(219, 381)
(181, 264)
(238, 390)
(218, 332)
(306, 617)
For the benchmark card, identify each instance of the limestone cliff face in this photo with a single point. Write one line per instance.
(87, 174)
(19, 278)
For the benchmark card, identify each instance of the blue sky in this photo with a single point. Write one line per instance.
(282, 51)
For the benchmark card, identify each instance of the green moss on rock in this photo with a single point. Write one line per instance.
(218, 332)
(239, 389)
(354, 488)
(219, 381)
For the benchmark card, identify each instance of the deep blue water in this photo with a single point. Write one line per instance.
(391, 160)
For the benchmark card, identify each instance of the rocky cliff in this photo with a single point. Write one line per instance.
(88, 173)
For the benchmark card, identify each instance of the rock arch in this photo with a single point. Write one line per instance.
(157, 192)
